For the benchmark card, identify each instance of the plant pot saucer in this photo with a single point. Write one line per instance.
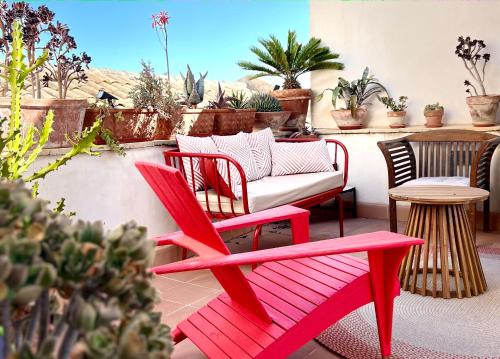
(353, 127)
(397, 126)
(434, 126)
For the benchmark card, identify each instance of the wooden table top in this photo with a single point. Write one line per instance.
(438, 194)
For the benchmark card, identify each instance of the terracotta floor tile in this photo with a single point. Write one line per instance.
(187, 350)
(188, 293)
(206, 280)
(167, 307)
(179, 315)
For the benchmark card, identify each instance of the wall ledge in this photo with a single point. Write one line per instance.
(409, 129)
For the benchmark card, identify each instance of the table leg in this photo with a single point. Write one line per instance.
(450, 267)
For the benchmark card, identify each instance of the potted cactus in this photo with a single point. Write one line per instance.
(434, 115)
(482, 107)
(196, 122)
(397, 112)
(355, 96)
(289, 62)
(268, 112)
(239, 102)
(230, 120)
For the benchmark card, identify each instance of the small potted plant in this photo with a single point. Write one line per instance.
(268, 112)
(289, 63)
(482, 107)
(306, 132)
(397, 112)
(355, 96)
(196, 122)
(239, 102)
(434, 115)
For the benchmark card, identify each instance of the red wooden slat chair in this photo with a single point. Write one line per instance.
(293, 296)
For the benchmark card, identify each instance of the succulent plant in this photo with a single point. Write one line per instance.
(238, 100)
(393, 105)
(433, 107)
(263, 102)
(470, 52)
(221, 100)
(193, 91)
(69, 289)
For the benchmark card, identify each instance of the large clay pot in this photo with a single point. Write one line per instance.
(127, 125)
(483, 110)
(230, 122)
(396, 119)
(68, 117)
(274, 120)
(434, 118)
(198, 122)
(345, 120)
(296, 101)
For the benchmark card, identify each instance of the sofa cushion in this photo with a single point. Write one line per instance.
(303, 157)
(192, 144)
(269, 192)
(438, 181)
(260, 144)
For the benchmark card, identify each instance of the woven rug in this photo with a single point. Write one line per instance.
(426, 327)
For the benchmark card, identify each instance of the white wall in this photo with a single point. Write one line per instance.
(409, 46)
(108, 188)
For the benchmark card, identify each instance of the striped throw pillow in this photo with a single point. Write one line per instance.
(192, 144)
(260, 144)
(302, 157)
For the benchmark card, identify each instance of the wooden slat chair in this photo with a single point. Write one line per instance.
(455, 157)
(293, 296)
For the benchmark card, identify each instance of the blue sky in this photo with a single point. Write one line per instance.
(210, 35)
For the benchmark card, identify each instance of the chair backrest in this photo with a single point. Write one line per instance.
(173, 191)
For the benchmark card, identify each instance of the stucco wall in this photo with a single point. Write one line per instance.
(409, 46)
(108, 188)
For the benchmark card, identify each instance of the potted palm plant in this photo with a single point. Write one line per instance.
(289, 63)
(397, 112)
(482, 107)
(269, 112)
(355, 96)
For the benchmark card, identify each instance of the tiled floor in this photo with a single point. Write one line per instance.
(182, 294)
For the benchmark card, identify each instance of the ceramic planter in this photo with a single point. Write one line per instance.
(296, 101)
(230, 122)
(396, 119)
(127, 125)
(198, 122)
(274, 120)
(483, 110)
(434, 118)
(68, 117)
(345, 120)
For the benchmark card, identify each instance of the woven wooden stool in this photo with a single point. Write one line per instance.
(447, 265)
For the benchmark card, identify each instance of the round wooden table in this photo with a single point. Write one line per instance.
(447, 265)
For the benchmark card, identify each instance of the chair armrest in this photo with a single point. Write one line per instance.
(370, 242)
(400, 160)
(481, 165)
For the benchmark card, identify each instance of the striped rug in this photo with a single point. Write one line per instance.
(429, 328)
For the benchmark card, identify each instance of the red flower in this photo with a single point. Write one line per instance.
(160, 19)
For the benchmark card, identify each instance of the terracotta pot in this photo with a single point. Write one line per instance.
(275, 120)
(68, 116)
(345, 120)
(434, 118)
(133, 126)
(230, 121)
(296, 101)
(396, 119)
(198, 122)
(483, 109)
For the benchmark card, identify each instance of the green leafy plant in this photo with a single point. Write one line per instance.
(221, 100)
(263, 102)
(193, 90)
(355, 93)
(290, 63)
(238, 100)
(21, 144)
(393, 105)
(433, 107)
(69, 289)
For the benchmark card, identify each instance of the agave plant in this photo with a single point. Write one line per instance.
(263, 102)
(193, 91)
(238, 100)
(290, 63)
(221, 100)
(356, 93)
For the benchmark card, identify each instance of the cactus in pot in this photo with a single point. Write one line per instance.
(193, 90)
(269, 112)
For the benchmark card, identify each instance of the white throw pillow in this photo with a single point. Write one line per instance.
(260, 144)
(302, 157)
(192, 144)
(238, 149)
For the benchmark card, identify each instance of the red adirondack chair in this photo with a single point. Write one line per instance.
(296, 293)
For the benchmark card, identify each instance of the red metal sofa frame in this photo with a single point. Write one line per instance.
(174, 158)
